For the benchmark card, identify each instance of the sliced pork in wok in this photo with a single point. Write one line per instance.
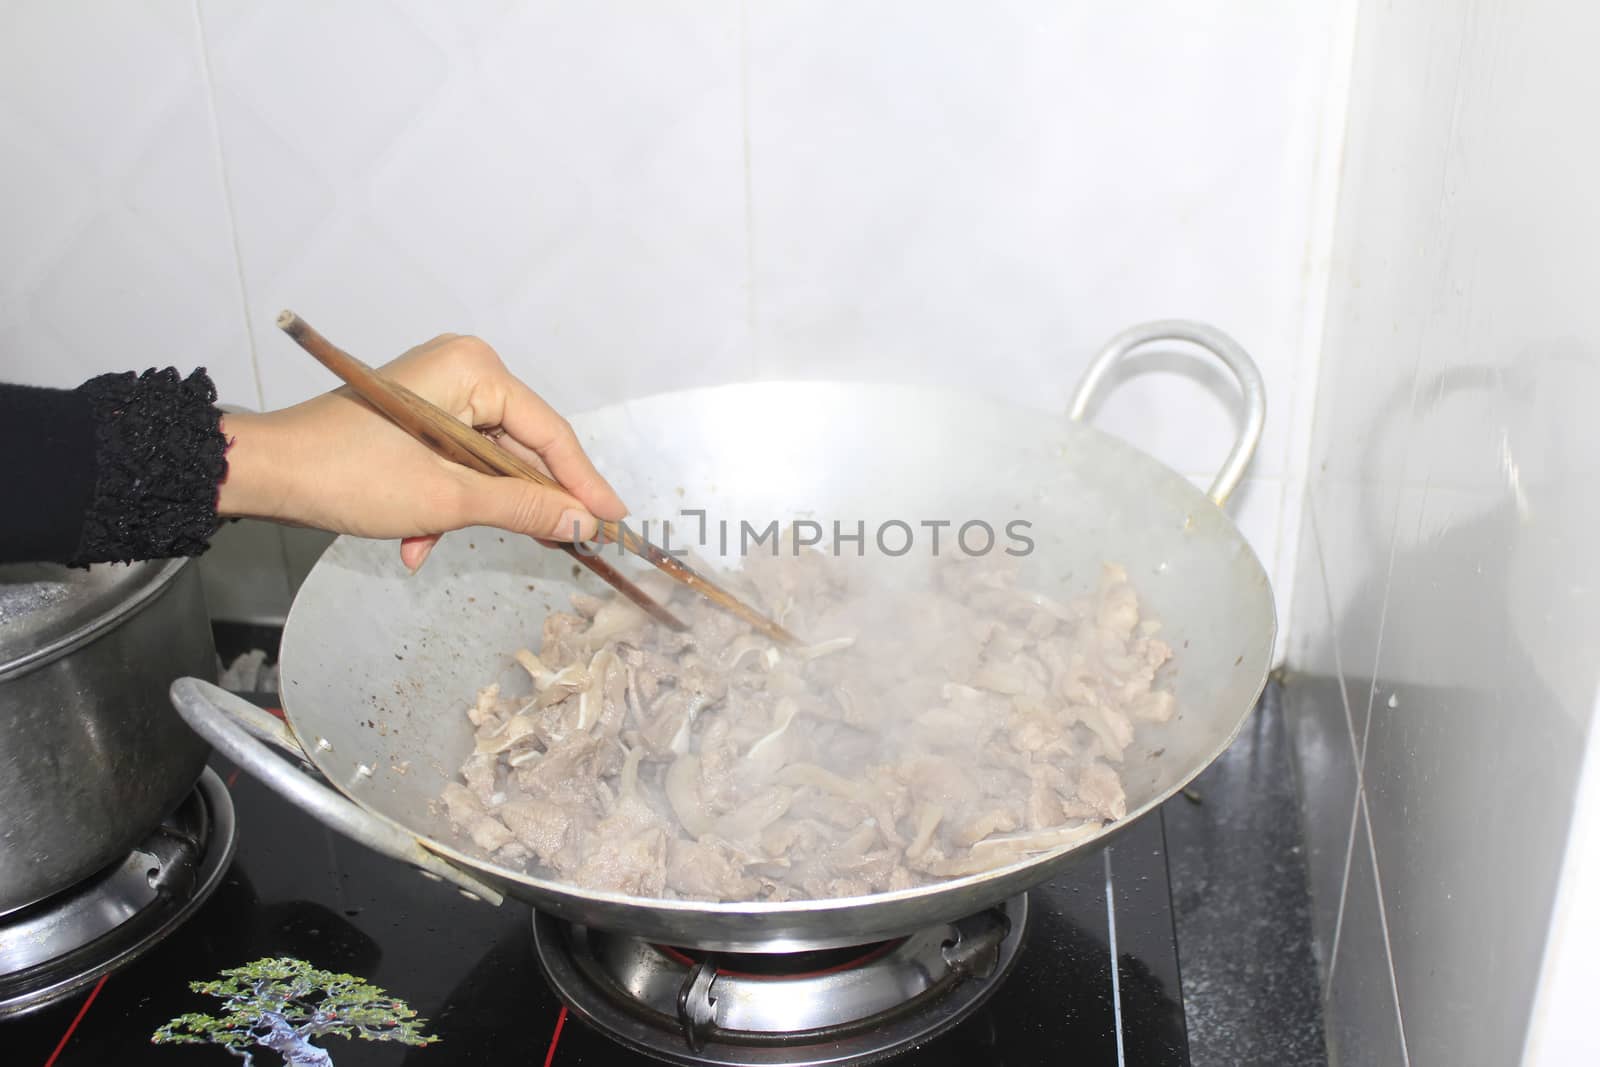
(925, 734)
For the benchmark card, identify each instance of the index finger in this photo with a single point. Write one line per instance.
(535, 424)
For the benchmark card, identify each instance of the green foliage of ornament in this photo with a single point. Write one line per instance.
(282, 1003)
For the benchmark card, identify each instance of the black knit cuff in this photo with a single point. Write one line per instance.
(159, 456)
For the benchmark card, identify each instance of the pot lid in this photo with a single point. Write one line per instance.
(44, 605)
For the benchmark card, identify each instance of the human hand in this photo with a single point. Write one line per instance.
(336, 464)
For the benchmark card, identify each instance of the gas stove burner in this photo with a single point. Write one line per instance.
(839, 1006)
(52, 949)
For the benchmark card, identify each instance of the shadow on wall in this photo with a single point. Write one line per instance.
(1486, 676)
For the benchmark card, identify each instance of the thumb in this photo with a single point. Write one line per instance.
(525, 508)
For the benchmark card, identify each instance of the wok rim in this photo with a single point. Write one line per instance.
(529, 887)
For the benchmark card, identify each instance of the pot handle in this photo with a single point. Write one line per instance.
(237, 728)
(1218, 344)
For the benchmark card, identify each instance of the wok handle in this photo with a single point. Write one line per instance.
(237, 728)
(1218, 344)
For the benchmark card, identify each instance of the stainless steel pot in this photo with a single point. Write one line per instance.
(378, 664)
(92, 756)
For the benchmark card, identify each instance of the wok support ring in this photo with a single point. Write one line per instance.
(790, 1011)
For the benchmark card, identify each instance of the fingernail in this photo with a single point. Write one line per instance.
(576, 525)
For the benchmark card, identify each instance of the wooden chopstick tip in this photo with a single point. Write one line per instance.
(291, 324)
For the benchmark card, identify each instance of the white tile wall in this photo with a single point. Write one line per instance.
(565, 180)
(118, 250)
(1558, 1032)
(983, 195)
(1453, 492)
(632, 196)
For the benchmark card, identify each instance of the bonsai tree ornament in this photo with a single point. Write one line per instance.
(282, 1004)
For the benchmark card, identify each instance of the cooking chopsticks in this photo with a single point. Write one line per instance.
(462, 444)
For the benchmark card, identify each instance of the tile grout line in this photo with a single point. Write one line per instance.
(1416, 376)
(1377, 657)
(1349, 725)
(1372, 843)
(238, 258)
(1383, 925)
(1327, 600)
(1344, 893)
(1285, 562)
(1116, 980)
(227, 199)
(1388, 578)
(1372, 690)
(1362, 807)
(749, 189)
(1326, 199)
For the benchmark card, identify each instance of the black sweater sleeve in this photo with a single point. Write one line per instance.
(124, 467)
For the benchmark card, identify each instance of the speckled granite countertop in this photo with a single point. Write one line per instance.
(1242, 907)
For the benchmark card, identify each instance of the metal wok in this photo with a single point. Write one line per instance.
(378, 665)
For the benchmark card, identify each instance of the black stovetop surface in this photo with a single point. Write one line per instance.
(298, 890)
